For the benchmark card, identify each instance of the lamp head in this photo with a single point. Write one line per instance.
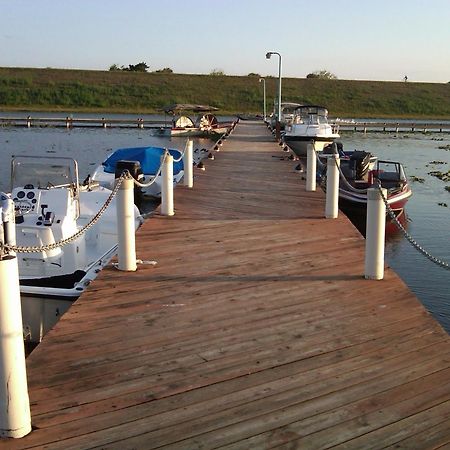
(261, 79)
(268, 55)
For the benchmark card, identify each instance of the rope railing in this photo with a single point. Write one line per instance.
(157, 174)
(182, 153)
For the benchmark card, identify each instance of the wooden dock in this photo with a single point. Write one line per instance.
(255, 330)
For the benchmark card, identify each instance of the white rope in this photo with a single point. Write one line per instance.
(183, 152)
(153, 180)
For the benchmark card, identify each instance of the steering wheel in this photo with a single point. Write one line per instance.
(22, 207)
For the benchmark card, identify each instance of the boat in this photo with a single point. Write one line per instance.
(149, 159)
(287, 115)
(206, 124)
(360, 170)
(309, 125)
(51, 206)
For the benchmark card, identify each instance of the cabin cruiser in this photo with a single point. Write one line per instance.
(309, 125)
(287, 115)
(149, 159)
(51, 206)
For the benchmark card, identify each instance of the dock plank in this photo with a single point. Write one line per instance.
(256, 329)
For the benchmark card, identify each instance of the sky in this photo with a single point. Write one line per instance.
(353, 39)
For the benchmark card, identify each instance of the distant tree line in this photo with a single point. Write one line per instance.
(322, 74)
(139, 67)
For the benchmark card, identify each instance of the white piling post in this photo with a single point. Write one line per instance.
(167, 186)
(188, 163)
(126, 252)
(311, 168)
(15, 416)
(332, 196)
(375, 233)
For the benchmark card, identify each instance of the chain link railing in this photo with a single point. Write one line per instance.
(392, 215)
(408, 237)
(5, 248)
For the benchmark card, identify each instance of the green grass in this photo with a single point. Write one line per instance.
(83, 90)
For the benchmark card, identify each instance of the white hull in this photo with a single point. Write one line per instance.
(299, 144)
(50, 212)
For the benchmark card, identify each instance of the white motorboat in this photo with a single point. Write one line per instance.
(287, 115)
(51, 206)
(149, 159)
(309, 125)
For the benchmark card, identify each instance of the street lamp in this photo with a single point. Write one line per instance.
(268, 55)
(263, 80)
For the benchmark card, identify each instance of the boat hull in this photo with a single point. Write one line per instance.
(299, 144)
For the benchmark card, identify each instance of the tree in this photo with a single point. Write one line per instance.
(140, 67)
(322, 74)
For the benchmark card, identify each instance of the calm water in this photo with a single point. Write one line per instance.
(428, 218)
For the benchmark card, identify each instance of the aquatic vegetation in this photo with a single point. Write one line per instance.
(437, 162)
(444, 147)
(417, 179)
(443, 204)
(447, 188)
(444, 176)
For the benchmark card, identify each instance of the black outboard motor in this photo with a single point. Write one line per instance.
(360, 162)
(134, 167)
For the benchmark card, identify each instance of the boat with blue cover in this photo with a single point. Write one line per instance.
(149, 159)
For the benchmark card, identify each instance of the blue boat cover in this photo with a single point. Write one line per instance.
(148, 157)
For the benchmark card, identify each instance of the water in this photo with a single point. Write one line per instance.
(428, 221)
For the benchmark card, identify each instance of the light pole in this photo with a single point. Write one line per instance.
(263, 80)
(268, 55)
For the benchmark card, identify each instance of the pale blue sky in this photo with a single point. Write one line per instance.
(354, 39)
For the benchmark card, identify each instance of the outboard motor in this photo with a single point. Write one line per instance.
(134, 167)
(360, 162)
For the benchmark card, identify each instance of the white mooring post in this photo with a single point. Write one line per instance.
(167, 186)
(188, 163)
(126, 252)
(332, 196)
(15, 416)
(375, 233)
(311, 168)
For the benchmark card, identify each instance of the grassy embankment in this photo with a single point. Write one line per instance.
(80, 90)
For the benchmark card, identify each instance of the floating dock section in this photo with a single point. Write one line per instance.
(255, 330)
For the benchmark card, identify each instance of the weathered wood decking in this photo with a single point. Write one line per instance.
(255, 330)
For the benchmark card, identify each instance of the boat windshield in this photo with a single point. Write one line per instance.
(311, 115)
(44, 172)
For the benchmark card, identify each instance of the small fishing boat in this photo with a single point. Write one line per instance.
(360, 170)
(51, 206)
(309, 125)
(149, 159)
(205, 125)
